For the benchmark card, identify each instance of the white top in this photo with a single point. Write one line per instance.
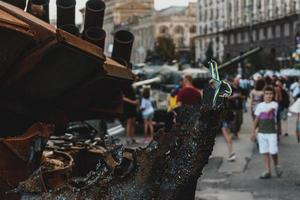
(295, 89)
(295, 108)
(263, 108)
(147, 106)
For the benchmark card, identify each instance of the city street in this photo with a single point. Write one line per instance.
(223, 180)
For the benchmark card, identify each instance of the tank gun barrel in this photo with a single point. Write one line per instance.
(149, 81)
(240, 57)
(65, 12)
(95, 35)
(39, 8)
(123, 41)
(94, 14)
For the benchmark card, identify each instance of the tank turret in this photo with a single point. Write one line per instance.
(51, 76)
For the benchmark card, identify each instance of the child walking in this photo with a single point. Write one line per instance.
(265, 120)
(148, 113)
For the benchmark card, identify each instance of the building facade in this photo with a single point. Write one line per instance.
(272, 24)
(117, 14)
(243, 24)
(211, 19)
(175, 22)
(143, 30)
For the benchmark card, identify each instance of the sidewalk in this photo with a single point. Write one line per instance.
(222, 180)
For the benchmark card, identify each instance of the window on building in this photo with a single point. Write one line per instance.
(286, 29)
(277, 31)
(246, 37)
(261, 34)
(282, 30)
(180, 42)
(225, 40)
(179, 30)
(276, 10)
(254, 38)
(270, 33)
(239, 38)
(163, 30)
(231, 38)
(235, 38)
(265, 32)
(258, 5)
(211, 14)
(193, 29)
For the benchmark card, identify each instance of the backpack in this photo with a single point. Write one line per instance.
(285, 99)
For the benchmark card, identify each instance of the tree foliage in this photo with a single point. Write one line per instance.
(165, 49)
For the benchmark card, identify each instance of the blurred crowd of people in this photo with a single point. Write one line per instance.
(267, 99)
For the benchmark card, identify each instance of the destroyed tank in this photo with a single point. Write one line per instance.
(54, 75)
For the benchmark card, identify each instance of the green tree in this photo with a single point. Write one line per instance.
(165, 49)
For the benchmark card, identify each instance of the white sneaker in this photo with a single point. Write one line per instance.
(231, 157)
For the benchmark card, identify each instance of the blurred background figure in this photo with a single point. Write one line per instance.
(148, 113)
(235, 102)
(172, 100)
(283, 108)
(295, 108)
(228, 139)
(188, 95)
(256, 95)
(130, 113)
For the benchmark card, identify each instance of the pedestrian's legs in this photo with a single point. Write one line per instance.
(275, 159)
(267, 164)
(128, 128)
(151, 129)
(132, 127)
(145, 128)
(228, 140)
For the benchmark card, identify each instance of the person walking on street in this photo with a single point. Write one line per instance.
(130, 113)
(279, 100)
(235, 102)
(148, 113)
(265, 120)
(283, 109)
(295, 108)
(188, 95)
(228, 140)
(257, 95)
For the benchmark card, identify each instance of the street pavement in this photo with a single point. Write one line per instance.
(223, 180)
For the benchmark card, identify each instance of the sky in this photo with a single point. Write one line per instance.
(158, 4)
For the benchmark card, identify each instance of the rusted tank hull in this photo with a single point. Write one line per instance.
(51, 72)
(21, 156)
